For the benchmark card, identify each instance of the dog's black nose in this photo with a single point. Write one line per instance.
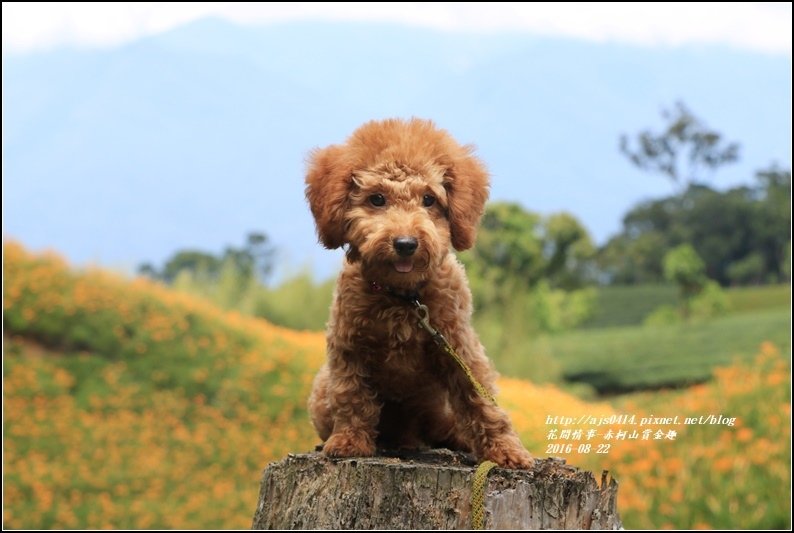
(405, 246)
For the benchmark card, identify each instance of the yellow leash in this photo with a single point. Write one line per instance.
(481, 474)
(478, 494)
(441, 341)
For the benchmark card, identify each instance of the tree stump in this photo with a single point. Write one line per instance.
(429, 490)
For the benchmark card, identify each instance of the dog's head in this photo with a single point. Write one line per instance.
(399, 193)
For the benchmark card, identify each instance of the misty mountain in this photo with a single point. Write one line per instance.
(193, 137)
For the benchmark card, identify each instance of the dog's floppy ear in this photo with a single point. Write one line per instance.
(328, 184)
(466, 183)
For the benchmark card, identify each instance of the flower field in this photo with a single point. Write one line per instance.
(710, 476)
(128, 405)
(138, 407)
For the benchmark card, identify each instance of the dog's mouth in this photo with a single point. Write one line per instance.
(404, 265)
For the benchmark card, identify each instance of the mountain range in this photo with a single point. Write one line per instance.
(193, 137)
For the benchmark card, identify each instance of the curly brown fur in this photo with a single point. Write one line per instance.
(385, 382)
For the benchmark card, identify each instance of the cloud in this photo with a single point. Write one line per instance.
(764, 27)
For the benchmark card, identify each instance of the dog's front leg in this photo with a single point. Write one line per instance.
(481, 422)
(355, 409)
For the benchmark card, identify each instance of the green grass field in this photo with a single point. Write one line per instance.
(628, 305)
(634, 357)
(757, 298)
(624, 359)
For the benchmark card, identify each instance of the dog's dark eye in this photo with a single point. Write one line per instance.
(428, 200)
(378, 200)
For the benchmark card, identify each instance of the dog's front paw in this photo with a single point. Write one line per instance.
(349, 444)
(510, 455)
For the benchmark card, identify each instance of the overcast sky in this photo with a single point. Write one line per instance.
(756, 26)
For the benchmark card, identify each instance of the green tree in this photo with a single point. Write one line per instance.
(235, 279)
(509, 249)
(254, 259)
(516, 249)
(720, 225)
(772, 220)
(200, 264)
(526, 272)
(684, 267)
(628, 260)
(748, 270)
(682, 150)
(785, 267)
(728, 229)
(740, 234)
(568, 251)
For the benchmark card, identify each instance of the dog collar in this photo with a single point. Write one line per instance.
(408, 296)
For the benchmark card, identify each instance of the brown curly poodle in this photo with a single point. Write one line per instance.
(401, 195)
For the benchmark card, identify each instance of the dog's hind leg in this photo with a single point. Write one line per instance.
(319, 406)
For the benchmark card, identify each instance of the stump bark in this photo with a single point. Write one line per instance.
(429, 490)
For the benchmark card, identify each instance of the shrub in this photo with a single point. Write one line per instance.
(711, 302)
